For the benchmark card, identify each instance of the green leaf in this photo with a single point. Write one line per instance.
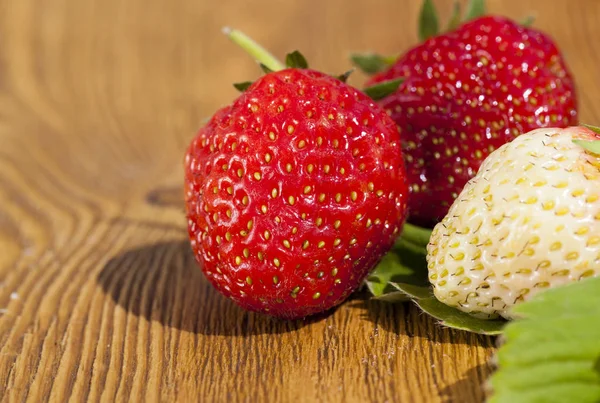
(528, 21)
(383, 89)
(265, 68)
(475, 9)
(402, 275)
(592, 146)
(404, 263)
(455, 319)
(416, 235)
(595, 129)
(551, 352)
(428, 21)
(455, 19)
(242, 86)
(344, 77)
(371, 63)
(390, 266)
(296, 60)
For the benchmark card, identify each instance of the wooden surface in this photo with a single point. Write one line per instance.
(100, 297)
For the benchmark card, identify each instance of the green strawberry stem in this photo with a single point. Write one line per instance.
(259, 53)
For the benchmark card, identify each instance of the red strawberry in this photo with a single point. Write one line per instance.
(294, 192)
(467, 92)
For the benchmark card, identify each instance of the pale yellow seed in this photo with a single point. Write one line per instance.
(248, 280)
(245, 200)
(288, 167)
(337, 241)
(316, 295)
(321, 244)
(319, 221)
(276, 262)
(263, 208)
(267, 235)
(310, 168)
(287, 243)
(246, 252)
(240, 173)
(337, 224)
(305, 244)
(228, 236)
(260, 255)
(274, 193)
(338, 197)
(275, 279)
(291, 200)
(594, 240)
(238, 260)
(290, 129)
(334, 272)
(301, 144)
(459, 256)
(257, 176)
(322, 197)
(578, 192)
(572, 255)
(268, 157)
(307, 189)
(230, 190)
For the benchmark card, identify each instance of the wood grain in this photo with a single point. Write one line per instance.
(100, 297)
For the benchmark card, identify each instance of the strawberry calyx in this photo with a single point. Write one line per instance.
(592, 146)
(372, 63)
(295, 60)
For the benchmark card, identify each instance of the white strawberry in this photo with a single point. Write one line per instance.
(529, 220)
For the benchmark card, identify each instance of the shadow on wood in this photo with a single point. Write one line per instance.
(163, 283)
(470, 386)
(406, 318)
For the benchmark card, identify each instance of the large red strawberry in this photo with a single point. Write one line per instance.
(465, 93)
(294, 191)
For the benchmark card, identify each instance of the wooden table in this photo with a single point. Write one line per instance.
(100, 297)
